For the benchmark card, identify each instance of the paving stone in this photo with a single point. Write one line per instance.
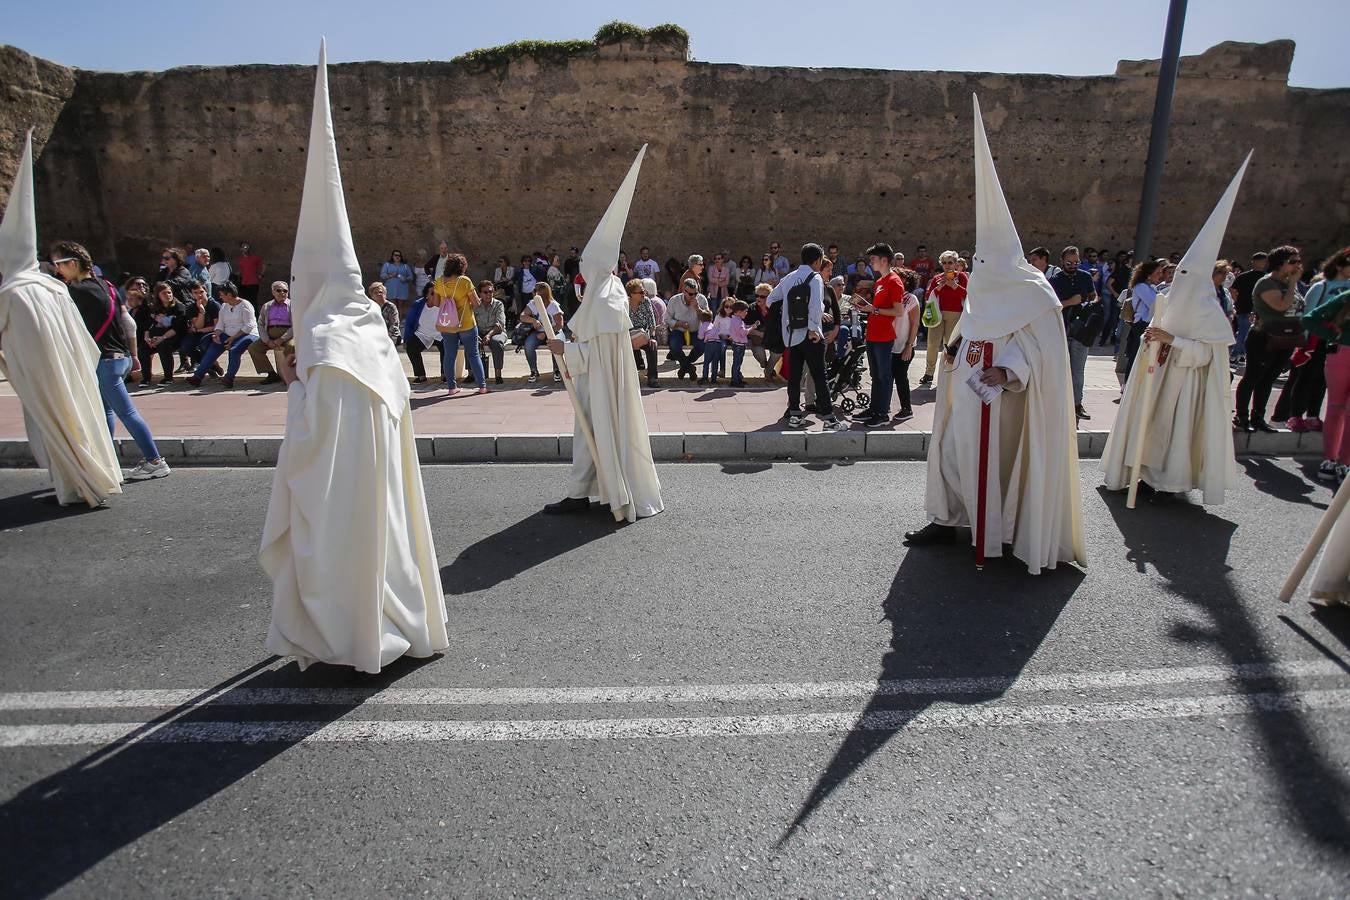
(462, 448)
(897, 445)
(210, 450)
(15, 453)
(529, 447)
(262, 451)
(714, 445)
(667, 446)
(1281, 443)
(775, 444)
(836, 444)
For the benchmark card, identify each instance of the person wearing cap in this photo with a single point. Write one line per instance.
(1003, 457)
(347, 541)
(611, 446)
(682, 318)
(1175, 415)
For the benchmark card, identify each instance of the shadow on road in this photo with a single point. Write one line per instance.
(1196, 569)
(947, 621)
(35, 507)
(61, 827)
(531, 542)
(1279, 482)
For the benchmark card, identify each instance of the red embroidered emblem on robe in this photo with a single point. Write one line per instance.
(974, 353)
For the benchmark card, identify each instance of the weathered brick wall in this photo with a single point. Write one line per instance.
(515, 160)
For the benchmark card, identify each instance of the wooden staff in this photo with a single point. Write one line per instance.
(583, 424)
(1150, 394)
(1319, 537)
(982, 492)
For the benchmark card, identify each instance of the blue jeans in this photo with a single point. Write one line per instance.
(714, 358)
(883, 380)
(737, 355)
(1078, 354)
(533, 342)
(193, 346)
(112, 388)
(452, 341)
(1244, 325)
(678, 353)
(215, 348)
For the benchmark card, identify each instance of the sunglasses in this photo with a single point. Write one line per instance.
(64, 259)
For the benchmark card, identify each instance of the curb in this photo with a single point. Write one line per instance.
(448, 449)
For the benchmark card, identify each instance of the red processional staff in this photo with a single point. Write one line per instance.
(982, 492)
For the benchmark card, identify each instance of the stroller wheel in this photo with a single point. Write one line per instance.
(864, 400)
(847, 405)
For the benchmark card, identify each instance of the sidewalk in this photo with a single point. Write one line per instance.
(520, 421)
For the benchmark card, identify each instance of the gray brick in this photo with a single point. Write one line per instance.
(1084, 445)
(1240, 440)
(262, 451)
(565, 446)
(897, 445)
(775, 444)
(425, 456)
(129, 453)
(667, 445)
(173, 449)
(528, 447)
(213, 450)
(714, 445)
(1310, 444)
(836, 445)
(463, 448)
(15, 452)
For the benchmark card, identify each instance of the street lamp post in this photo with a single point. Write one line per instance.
(1157, 142)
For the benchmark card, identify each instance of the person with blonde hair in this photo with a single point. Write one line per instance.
(542, 304)
(948, 291)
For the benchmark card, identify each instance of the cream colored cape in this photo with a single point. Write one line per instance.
(50, 359)
(1032, 489)
(347, 542)
(1331, 581)
(1188, 443)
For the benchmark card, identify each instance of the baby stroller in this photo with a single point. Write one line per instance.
(844, 375)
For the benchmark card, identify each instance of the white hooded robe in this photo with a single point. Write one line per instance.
(1032, 479)
(1188, 438)
(50, 359)
(600, 363)
(347, 540)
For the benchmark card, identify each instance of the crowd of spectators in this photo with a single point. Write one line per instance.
(201, 306)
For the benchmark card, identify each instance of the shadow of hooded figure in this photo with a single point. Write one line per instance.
(1197, 570)
(968, 633)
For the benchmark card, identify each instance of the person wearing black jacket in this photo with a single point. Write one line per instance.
(160, 325)
(98, 305)
(173, 272)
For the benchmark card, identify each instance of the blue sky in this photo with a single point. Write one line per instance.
(1068, 38)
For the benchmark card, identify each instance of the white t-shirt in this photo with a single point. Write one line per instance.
(902, 324)
(553, 311)
(646, 268)
(426, 326)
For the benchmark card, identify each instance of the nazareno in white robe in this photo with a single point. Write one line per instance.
(1331, 580)
(606, 382)
(1188, 442)
(1032, 487)
(347, 542)
(50, 359)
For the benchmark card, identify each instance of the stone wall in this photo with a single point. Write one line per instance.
(513, 160)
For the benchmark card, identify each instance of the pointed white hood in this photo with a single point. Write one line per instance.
(337, 324)
(1191, 309)
(605, 307)
(18, 230)
(1006, 292)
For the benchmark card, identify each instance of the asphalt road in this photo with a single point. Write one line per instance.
(760, 692)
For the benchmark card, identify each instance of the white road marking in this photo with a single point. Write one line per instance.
(707, 693)
(988, 716)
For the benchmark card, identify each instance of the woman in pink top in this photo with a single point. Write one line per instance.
(719, 278)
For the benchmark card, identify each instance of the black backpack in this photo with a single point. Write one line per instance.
(773, 328)
(1086, 324)
(798, 303)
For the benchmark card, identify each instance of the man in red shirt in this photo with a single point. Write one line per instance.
(950, 290)
(923, 265)
(888, 302)
(250, 271)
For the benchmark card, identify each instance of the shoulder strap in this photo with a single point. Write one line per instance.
(112, 311)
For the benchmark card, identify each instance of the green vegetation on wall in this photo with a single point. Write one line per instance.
(557, 52)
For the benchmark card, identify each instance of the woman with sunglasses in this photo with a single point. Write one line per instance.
(397, 276)
(98, 307)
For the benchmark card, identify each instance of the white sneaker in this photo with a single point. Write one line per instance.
(833, 424)
(1327, 470)
(147, 470)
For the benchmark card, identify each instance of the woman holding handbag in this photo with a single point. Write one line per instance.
(1277, 333)
(456, 323)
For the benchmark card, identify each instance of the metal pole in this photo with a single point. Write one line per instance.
(1157, 142)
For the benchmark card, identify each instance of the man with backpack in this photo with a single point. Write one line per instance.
(796, 306)
(1083, 318)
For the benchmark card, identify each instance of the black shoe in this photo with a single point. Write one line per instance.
(498, 379)
(273, 378)
(1263, 425)
(1081, 413)
(905, 413)
(568, 505)
(876, 420)
(1241, 424)
(932, 533)
(925, 381)
(653, 383)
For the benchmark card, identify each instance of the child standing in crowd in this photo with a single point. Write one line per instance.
(740, 339)
(713, 348)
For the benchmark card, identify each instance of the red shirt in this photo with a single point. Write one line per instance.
(950, 296)
(924, 266)
(250, 268)
(888, 293)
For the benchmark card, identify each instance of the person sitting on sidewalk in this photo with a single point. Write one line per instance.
(160, 324)
(235, 330)
(274, 333)
(199, 323)
(490, 315)
(683, 317)
(542, 304)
